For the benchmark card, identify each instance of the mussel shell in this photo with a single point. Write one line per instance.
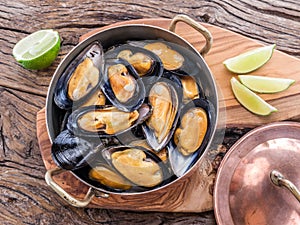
(95, 53)
(70, 152)
(176, 96)
(181, 164)
(72, 125)
(180, 74)
(166, 176)
(139, 94)
(156, 69)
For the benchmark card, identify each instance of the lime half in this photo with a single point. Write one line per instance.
(250, 100)
(250, 61)
(38, 50)
(263, 84)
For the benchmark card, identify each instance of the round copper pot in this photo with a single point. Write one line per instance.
(112, 37)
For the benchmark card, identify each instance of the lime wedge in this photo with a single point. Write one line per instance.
(38, 50)
(263, 84)
(250, 100)
(249, 61)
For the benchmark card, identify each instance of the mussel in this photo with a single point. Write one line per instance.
(165, 106)
(190, 88)
(145, 62)
(137, 164)
(71, 152)
(189, 85)
(105, 121)
(171, 59)
(122, 85)
(81, 78)
(191, 135)
(107, 176)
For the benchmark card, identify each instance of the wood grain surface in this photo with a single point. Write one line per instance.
(24, 196)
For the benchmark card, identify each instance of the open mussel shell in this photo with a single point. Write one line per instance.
(138, 165)
(182, 162)
(105, 121)
(70, 152)
(164, 98)
(190, 85)
(122, 85)
(80, 78)
(145, 62)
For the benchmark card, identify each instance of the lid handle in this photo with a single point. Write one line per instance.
(279, 180)
(198, 27)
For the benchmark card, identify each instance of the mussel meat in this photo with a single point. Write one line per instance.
(136, 164)
(188, 84)
(106, 176)
(170, 58)
(122, 85)
(80, 78)
(190, 88)
(165, 105)
(104, 121)
(141, 62)
(145, 62)
(190, 136)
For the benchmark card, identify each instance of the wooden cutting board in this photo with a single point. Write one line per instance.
(193, 193)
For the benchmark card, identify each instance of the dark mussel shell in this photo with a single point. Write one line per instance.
(137, 92)
(92, 54)
(145, 62)
(70, 152)
(113, 113)
(180, 163)
(163, 92)
(133, 162)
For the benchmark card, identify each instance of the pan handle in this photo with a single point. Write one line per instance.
(62, 193)
(279, 180)
(196, 26)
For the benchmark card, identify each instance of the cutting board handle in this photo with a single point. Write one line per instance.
(198, 27)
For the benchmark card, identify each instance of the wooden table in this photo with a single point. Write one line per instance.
(24, 196)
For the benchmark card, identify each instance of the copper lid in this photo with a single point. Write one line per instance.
(244, 191)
